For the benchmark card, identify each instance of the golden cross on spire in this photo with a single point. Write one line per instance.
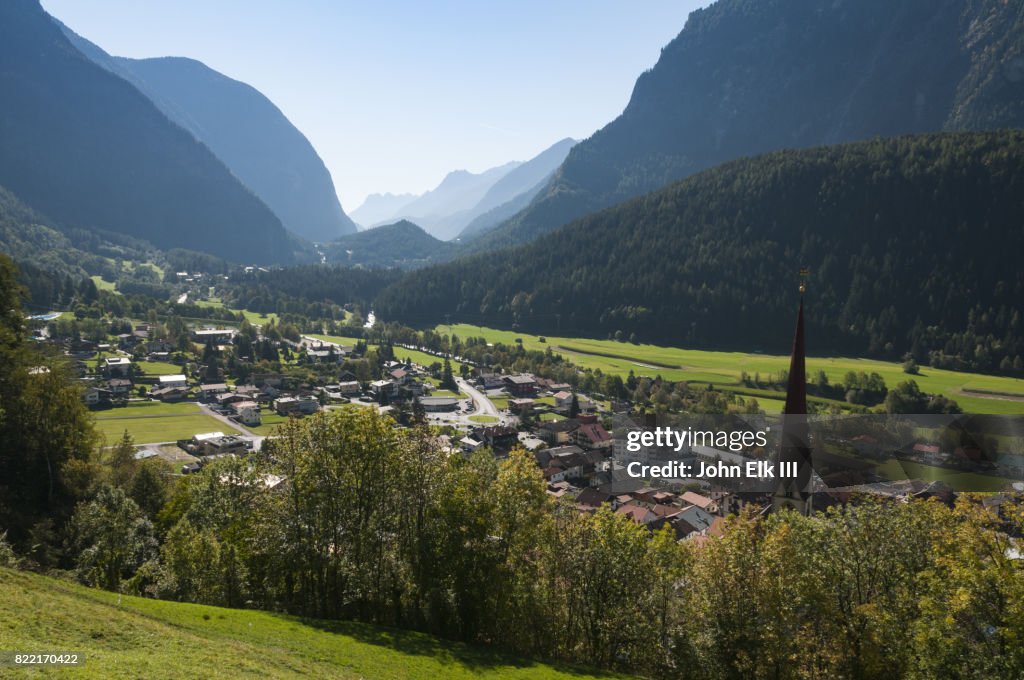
(804, 271)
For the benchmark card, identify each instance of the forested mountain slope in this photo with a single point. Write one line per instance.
(913, 244)
(86, 148)
(749, 76)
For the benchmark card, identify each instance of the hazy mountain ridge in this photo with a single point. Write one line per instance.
(749, 76)
(464, 198)
(89, 150)
(711, 261)
(245, 130)
(376, 209)
(445, 209)
(516, 189)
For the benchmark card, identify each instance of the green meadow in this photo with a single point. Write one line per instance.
(121, 636)
(151, 421)
(974, 392)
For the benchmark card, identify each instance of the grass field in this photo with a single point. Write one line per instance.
(336, 339)
(401, 353)
(903, 469)
(483, 419)
(160, 368)
(550, 417)
(151, 421)
(131, 637)
(103, 284)
(723, 368)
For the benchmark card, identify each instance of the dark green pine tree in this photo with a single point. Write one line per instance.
(447, 379)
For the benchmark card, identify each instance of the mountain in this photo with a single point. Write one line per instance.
(89, 150)
(402, 245)
(379, 208)
(913, 244)
(519, 185)
(445, 210)
(245, 130)
(749, 76)
(464, 203)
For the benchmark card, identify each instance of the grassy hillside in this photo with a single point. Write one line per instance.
(974, 392)
(130, 637)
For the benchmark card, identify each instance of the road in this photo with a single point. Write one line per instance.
(481, 404)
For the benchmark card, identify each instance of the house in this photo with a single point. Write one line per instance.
(225, 444)
(521, 405)
(159, 345)
(563, 400)
(500, 438)
(120, 387)
(349, 388)
(228, 398)
(697, 500)
(469, 445)
(117, 367)
(247, 412)
(691, 521)
(209, 391)
(592, 435)
(382, 389)
(96, 396)
(304, 405)
(126, 340)
(176, 380)
(491, 381)
(323, 355)
(520, 385)
(592, 499)
(218, 336)
(169, 394)
(557, 432)
(198, 439)
(638, 512)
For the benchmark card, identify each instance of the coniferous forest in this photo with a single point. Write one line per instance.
(912, 244)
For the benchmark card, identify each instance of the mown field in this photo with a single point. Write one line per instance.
(401, 353)
(130, 637)
(1004, 395)
(152, 421)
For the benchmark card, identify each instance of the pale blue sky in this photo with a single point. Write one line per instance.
(395, 95)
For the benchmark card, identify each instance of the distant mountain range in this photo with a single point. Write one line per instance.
(378, 208)
(748, 76)
(403, 245)
(245, 130)
(913, 245)
(88, 149)
(462, 201)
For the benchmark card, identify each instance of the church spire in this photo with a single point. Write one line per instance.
(794, 493)
(796, 388)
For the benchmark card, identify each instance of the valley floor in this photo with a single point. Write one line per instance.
(975, 393)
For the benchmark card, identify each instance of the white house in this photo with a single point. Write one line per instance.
(248, 412)
(177, 380)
